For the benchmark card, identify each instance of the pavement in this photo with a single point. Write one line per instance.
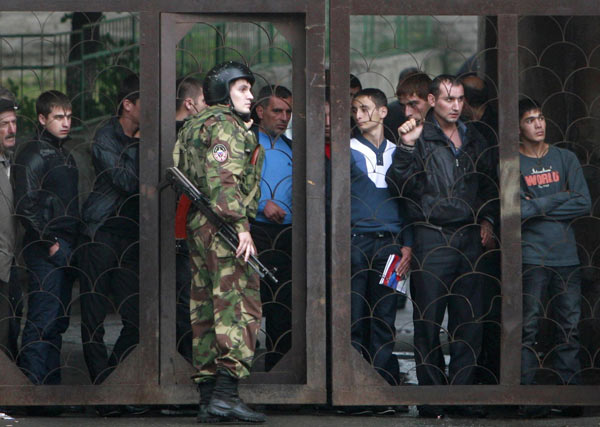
(299, 418)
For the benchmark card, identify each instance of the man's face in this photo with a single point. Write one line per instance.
(414, 106)
(8, 130)
(533, 127)
(327, 121)
(448, 105)
(275, 116)
(131, 111)
(366, 114)
(58, 122)
(241, 96)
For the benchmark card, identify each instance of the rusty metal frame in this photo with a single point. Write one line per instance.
(152, 374)
(353, 380)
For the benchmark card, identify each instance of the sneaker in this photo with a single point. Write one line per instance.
(569, 411)
(467, 411)
(135, 409)
(108, 411)
(534, 411)
(431, 411)
(358, 410)
(384, 410)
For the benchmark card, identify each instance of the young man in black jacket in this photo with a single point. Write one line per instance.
(441, 169)
(46, 202)
(110, 262)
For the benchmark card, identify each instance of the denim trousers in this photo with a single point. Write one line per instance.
(561, 287)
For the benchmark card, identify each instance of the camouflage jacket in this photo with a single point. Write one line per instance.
(223, 159)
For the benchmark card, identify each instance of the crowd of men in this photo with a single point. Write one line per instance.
(62, 240)
(440, 167)
(424, 187)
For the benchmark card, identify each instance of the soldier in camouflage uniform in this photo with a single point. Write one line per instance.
(218, 153)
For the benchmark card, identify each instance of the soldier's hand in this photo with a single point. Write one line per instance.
(246, 246)
(410, 131)
(274, 212)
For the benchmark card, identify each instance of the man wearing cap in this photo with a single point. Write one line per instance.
(217, 151)
(8, 131)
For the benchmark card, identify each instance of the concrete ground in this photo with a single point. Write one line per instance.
(301, 418)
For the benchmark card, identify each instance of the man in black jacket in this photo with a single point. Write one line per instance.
(441, 170)
(46, 202)
(110, 262)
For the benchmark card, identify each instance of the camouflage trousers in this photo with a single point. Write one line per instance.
(225, 307)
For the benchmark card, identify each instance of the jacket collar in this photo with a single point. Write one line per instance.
(45, 136)
(433, 131)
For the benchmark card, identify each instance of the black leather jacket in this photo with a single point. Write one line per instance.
(444, 189)
(46, 190)
(116, 189)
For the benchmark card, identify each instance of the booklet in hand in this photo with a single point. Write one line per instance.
(389, 277)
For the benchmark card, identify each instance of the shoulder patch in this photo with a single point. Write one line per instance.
(220, 153)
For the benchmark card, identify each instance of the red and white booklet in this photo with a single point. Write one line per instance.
(389, 277)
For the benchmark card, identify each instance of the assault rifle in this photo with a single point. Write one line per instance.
(183, 185)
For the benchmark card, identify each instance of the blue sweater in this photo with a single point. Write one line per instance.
(276, 181)
(374, 208)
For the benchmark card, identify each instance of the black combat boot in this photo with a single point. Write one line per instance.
(225, 401)
(206, 390)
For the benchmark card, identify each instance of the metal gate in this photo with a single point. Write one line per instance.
(154, 372)
(355, 381)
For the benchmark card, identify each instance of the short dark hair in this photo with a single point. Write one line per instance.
(476, 90)
(187, 87)
(416, 83)
(268, 91)
(526, 105)
(376, 95)
(129, 89)
(354, 82)
(51, 99)
(434, 87)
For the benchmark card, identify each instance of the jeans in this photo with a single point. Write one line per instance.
(274, 245)
(562, 286)
(373, 306)
(110, 266)
(48, 309)
(444, 277)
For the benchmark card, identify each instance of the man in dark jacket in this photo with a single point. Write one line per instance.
(437, 169)
(46, 202)
(111, 214)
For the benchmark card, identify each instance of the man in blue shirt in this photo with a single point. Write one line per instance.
(271, 230)
(378, 231)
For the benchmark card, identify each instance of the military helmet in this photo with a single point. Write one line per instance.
(218, 80)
